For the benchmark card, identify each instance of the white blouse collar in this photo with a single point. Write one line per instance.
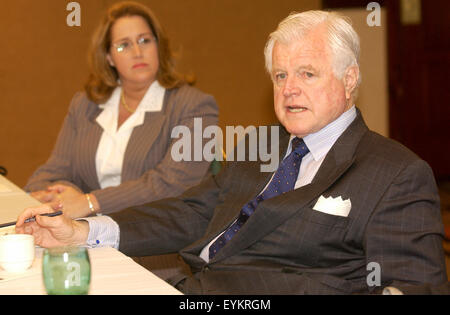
(152, 101)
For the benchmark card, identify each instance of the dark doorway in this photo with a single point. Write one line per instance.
(419, 66)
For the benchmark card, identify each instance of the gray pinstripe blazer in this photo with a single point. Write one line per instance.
(286, 247)
(149, 172)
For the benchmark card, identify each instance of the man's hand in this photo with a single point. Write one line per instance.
(52, 231)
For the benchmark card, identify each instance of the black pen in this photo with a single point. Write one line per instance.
(32, 219)
(51, 215)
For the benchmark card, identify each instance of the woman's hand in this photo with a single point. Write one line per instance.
(44, 196)
(52, 231)
(71, 201)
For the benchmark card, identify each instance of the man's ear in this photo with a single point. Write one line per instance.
(110, 61)
(351, 80)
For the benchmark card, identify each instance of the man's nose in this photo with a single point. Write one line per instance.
(291, 87)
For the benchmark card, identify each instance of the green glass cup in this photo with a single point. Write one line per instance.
(66, 271)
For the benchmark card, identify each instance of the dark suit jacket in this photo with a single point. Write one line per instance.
(427, 289)
(286, 247)
(149, 172)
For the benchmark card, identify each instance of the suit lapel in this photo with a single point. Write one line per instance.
(94, 131)
(273, 212)
(262, 178)
(140, 143)
(141, 140)
(251, 172)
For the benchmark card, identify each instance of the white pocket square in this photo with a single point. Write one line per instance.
(333, 206)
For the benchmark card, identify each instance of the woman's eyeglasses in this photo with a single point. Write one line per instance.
(126, 45)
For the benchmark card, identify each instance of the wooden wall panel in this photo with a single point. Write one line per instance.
(43, 63)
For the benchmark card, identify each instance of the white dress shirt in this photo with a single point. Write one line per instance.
(114, 140)
(105, 231)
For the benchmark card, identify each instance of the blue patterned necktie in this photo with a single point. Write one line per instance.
(283, 181)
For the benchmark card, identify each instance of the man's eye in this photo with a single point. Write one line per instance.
(280, 76)
(309, 74)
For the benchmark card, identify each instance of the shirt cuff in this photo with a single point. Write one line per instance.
(392, 291)
(103, 232)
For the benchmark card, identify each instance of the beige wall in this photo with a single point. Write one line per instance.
(373, 97)
(43, 63)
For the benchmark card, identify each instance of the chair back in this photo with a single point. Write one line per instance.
(3, 171)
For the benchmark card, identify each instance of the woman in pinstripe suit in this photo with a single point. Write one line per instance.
(113, 150)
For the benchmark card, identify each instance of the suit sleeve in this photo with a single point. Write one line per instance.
(168, 225)
(58, 168)
(169, 178)
(404, 235)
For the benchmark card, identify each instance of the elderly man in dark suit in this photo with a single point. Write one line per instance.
(347, 211)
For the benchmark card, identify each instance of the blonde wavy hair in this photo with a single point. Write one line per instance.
(103, 78)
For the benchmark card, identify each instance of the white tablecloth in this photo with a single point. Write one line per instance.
(13, 201)
(111, 273)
